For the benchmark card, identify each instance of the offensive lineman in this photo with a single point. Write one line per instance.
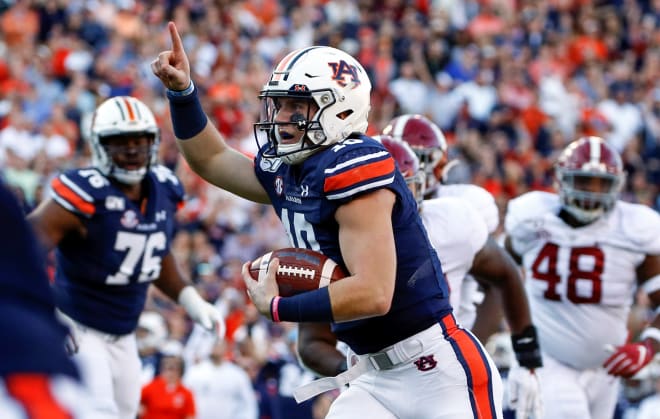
(112, 225)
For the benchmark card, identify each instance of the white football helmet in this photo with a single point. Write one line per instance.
(117, 117)
(335, 81)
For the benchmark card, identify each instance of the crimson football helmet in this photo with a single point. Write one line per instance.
(123, 116)
(407, 162)
(427, 141)
(335, 81)
(589, 173)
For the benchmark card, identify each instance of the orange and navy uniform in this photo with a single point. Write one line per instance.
(102, 279)
(306, 197)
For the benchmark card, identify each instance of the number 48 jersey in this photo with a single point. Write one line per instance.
(580, 281)
(101, 279)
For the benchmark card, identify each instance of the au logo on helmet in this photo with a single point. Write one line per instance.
(341, 69)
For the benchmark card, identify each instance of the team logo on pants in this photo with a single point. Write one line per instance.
(426, 363)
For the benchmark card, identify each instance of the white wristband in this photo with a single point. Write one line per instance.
(650, 332)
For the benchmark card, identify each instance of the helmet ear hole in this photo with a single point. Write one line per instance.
(345, 114)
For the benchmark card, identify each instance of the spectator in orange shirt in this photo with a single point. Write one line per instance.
(165, 397)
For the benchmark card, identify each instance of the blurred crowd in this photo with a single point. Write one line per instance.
(510, 82)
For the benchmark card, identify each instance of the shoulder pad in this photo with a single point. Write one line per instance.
(529, 206)
(479, 198)
(167, 178)
(461, 221)
(641, 225)
(77, 190)
(356, 165)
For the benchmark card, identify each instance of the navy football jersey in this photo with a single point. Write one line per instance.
(101, 280)
(306, 196)
(33, 340)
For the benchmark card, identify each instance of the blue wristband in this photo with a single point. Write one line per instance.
(311, 306)
(188, 117)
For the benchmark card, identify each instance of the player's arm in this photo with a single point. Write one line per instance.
(51, 223)
(199, 141)
(649, 274)
(509, 248)
(366, 240)
(494, 265)
(628, 359)
(489, 312)
(172, 283)
(317, 349)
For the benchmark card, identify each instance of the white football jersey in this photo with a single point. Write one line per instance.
(457, 233)
(580, 281)
(479, 198)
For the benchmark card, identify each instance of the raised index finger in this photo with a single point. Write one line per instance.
(177, 44)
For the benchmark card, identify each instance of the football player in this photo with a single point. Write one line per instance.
(461, 239)
(584, 253)
(338, 192)
(37, 378)
(429, 144)
(112, 225)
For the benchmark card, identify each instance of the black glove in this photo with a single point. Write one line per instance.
(526, 347)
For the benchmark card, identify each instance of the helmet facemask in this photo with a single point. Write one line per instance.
(584, 202)
(129, 156)
(124, 139)
(305, 112)
(589, 175)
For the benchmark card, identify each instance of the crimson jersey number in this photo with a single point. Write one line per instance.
(548, 258)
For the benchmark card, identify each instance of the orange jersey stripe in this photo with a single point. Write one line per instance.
(33, 392)
(476, 366)
(359, 174)
(73, 198)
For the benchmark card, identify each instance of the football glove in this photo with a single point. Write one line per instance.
(524, 393)
(628, 359)
(524, 390)
(201, 311)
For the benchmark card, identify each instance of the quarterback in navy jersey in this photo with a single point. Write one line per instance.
(36, 375)
(112, 225)
(339, 192)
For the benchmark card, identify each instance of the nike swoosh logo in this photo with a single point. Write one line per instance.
(310, 76)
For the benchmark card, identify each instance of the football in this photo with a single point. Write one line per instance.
(300, 270)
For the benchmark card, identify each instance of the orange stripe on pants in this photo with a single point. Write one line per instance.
(470, 355)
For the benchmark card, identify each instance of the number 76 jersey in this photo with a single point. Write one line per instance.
(101, 279)
(580, 281)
